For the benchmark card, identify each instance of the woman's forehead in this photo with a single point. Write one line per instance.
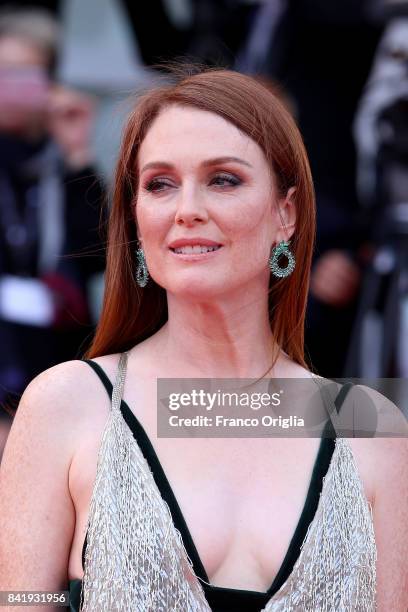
(187, 131)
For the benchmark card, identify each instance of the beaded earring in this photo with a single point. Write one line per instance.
(142, 273)
(281, 249)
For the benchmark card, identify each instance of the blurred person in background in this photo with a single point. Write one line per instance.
(379, 346)
(49, 205)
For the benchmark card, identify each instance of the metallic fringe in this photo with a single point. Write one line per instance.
(136, 561)
(336, 569)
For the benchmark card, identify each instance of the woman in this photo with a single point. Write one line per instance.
(199, 524)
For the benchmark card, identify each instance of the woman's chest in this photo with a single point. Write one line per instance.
(240, 501)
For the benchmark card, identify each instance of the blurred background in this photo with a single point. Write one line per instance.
(67, 69)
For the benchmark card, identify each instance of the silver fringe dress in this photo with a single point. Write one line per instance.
(136, 561)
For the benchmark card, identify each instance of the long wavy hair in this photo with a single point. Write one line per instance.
(131, 314)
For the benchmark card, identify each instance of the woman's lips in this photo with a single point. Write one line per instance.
(195, 256)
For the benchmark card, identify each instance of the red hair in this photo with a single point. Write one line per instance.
(131, 314)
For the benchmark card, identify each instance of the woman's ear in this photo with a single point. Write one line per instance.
(287, 214)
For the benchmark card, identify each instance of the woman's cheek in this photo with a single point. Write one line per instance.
(247, 212)
(153, 221)
(243, 222)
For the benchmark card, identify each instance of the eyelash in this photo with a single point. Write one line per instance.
(231, 179)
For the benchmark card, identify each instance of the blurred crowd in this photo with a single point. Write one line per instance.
(343, 69)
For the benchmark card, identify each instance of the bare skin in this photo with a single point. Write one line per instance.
(245, 495)
(241, 498)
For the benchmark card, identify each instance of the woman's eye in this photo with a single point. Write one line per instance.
(225, 180)
(157, 184)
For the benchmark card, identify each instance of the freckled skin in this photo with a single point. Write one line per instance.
(244, 217)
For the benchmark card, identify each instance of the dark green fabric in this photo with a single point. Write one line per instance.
(75, 587)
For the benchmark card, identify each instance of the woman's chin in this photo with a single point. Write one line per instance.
(197, 289)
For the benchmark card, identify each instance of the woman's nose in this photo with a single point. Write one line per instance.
(190, 208)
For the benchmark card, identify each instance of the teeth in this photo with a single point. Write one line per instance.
(195, 249)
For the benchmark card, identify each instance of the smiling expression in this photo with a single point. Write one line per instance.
(206, 204)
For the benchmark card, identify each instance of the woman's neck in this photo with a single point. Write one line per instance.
(218, 338)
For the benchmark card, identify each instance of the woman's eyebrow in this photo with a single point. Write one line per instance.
(206, 163)
(225, 160)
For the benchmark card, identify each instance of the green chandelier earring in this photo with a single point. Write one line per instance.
(281, 249)
(142, 273)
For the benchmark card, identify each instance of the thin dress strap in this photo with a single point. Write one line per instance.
(115, 396)
(101, 375)
(115, 393)
(119, 382)
(333, 406)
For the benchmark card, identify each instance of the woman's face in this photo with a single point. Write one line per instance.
(203, 182)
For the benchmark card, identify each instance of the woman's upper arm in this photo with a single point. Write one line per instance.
(37, 515)
(390, 513)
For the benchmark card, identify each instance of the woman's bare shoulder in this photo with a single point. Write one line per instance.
(380, 442)
(60, 416)
(387, 446)
(389, 418)
(69, 392)
(63, 382)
